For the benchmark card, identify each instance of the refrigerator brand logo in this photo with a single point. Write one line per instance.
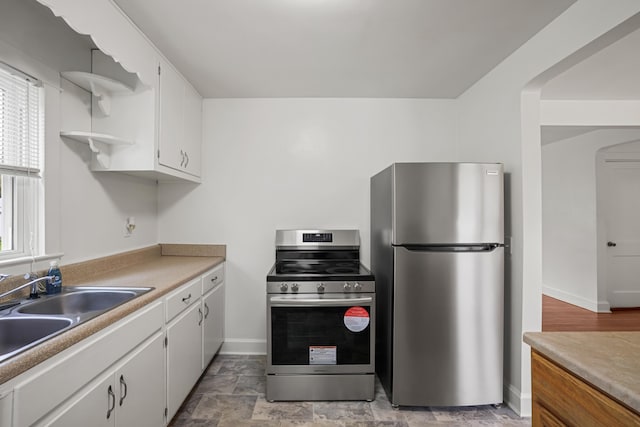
(492, 172)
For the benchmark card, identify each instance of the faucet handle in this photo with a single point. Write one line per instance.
(4, 276)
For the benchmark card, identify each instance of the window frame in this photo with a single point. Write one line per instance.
(23, 190)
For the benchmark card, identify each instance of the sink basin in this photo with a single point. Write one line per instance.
(79, 302)
(18, 333)
(31, 322)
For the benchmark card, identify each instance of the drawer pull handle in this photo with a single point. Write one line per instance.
(112, 398)
(214, 279)
(187, 298)
(123, 389)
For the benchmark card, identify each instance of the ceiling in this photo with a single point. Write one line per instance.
(338, 48)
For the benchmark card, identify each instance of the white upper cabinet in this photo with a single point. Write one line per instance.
(180, 122)
(146, 119)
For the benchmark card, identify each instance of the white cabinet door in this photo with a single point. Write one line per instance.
(184, 356)
(192, 141)
(171, 118)
(94, 406)
(129, 395)
(213, 326)
(6, 405)
(140, 387)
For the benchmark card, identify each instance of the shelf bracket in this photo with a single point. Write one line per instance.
(102, 157)
(102, 98)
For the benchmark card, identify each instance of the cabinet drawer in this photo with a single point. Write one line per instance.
(212, 279)
(183, 298)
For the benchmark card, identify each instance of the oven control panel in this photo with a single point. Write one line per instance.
(320, 287)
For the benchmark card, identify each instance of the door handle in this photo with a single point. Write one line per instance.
(123, 389)
(112, 399)
(611, 244)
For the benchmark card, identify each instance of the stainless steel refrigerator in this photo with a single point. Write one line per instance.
(437, 254)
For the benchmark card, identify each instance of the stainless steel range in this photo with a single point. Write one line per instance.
(320, 318)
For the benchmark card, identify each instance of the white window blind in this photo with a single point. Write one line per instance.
(20, 123)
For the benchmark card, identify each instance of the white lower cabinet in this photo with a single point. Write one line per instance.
(140, 384)
(91, 406)
(195, 332)
(131, 394)
(52, 388)
(6, 408)
(213, 325)
(135, 373)
(184, 356)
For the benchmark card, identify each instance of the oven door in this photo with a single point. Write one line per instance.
(319, 334)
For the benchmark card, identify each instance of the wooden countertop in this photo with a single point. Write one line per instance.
(607, 360)
(163, 267)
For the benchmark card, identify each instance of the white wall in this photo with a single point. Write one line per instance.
(569, 217)
(500, 122)
(84, 211)
(290, 163)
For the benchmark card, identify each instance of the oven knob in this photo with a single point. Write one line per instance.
(321, 287)
(357, 286)
(347, 286)
(283, 287)
(294, 287)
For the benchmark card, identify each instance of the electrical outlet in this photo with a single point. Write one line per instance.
(129, 226)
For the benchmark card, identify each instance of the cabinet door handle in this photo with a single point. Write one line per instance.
(182, 161)
(186, 155)
(206, 308)
(201, 316)
(123, 389)
(187, 298)
(112, 399)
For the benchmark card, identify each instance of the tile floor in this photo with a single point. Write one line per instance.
(231, 394)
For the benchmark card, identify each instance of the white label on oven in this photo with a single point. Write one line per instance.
(322, 354)
(356, 319)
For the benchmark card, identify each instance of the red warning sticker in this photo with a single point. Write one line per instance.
(356, 319)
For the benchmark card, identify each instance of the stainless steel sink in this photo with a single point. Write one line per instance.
(79, 302)
(31, 322)
(19, 333)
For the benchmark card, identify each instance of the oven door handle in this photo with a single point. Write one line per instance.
(276, 301)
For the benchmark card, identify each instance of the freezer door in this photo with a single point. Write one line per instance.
(447, 327)
(447, 203)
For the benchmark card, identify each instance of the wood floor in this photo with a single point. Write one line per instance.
(559, 316)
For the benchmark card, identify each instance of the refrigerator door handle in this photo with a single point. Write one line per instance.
(476, 247)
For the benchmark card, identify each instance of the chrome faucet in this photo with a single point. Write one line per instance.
(33, 294)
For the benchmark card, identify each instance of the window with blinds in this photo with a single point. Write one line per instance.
(21, 131)
(20, 123)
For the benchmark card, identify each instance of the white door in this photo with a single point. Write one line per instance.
(213, 325)
(623, 233)
(95, 406)
(184, 356)
(171, 118)
(140, 386)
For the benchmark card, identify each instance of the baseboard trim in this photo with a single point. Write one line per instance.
(572, 299)
(604, 307)
(624, 299)
(243, 346)
(518, 402)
